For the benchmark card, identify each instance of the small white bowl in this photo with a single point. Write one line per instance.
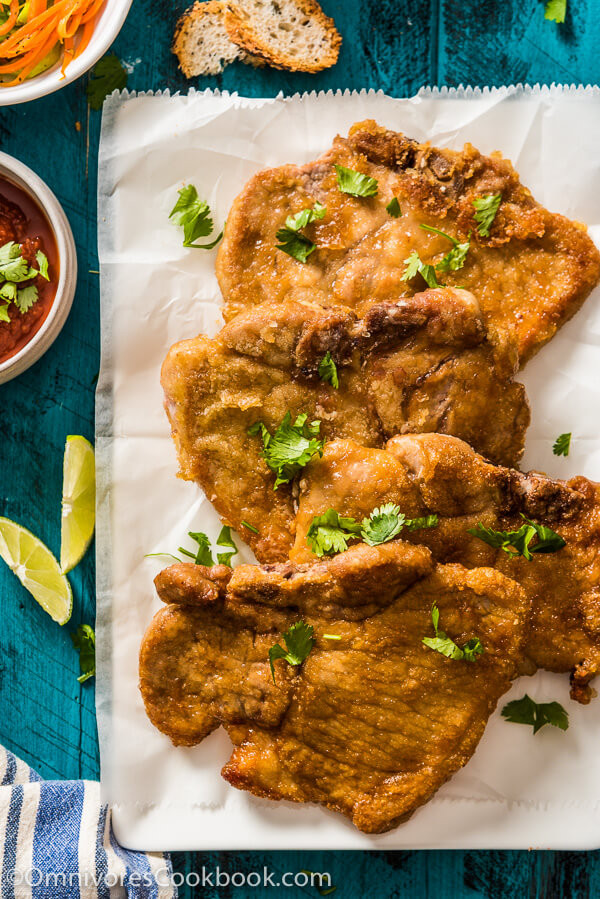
(13, 170)
(108, 25)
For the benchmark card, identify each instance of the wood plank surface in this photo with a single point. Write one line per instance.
(46, 717)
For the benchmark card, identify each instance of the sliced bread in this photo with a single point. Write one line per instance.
(287, 34)
(201, 42)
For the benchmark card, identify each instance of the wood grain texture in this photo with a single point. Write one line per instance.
(46, 717)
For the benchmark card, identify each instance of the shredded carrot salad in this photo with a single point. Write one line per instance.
(34, 33)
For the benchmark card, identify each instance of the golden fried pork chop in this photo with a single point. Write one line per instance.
(420, 364)
(434, 474)
(370, 725)
(530, 275)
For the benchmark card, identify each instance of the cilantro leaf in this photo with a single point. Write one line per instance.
(356, 184)
(291, 447)
(26, 297)
(13, 266)
(225, 539)
(4, 316)
(415, 267)
(454, 258)
(384, 524)
(329, 533)
(292, 242)
(427, 521)
(203, 555)
(486, 209)
(560, 447)
(393, 207)
(298, 640)
(537, 714)
(8, 291)
(84, 640)
(108, 75)
(328, 370)
(42, 261)
(447, 647)
(556, 11)
(518, 543)
(193, 215)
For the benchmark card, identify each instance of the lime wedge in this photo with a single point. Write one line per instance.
(78, 501)
(37, 569)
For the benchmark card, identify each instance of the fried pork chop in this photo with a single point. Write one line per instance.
(431, 473)
(420, 364)
(530, 275)
(370, 725)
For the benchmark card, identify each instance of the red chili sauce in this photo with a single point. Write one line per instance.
(22, 221)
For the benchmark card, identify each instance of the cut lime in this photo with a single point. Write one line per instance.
(78, 501)
(37, 569)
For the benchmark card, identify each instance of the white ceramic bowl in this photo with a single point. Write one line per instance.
(13, 170)
(108, 25)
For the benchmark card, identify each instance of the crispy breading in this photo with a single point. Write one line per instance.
(434, 474)
(420, 364)
(530, 275)
(370, 725)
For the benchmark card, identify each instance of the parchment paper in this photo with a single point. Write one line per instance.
(517, 791)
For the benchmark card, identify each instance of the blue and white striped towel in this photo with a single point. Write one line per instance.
(56, 842)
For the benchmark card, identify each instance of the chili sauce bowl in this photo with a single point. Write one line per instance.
(22, 178)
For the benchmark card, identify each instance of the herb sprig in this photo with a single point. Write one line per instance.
(291, 447)
(536, 714)
(562, 445)
(292, 241)
(447, 647)
(330, 532)
(414, 267)
(485, 212)
(193, 215)
(84, 641)
(327, 370)
(299, 641)
(454, 258)
(15, 270)
(349, 181)
(518, 543)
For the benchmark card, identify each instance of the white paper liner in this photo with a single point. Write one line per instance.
(518, 791)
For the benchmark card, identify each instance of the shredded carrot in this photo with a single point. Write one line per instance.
(60, 23)
(12, 17)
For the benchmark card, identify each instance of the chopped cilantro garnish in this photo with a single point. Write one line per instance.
(537, 714)
(328, 370)
(518, 543)
(292, 242)
(556, 11)
(415, 267)
(26, 297)
(298, 640)
(4, 316)
(193, 215)
(250, 527)
(454, 258)
(330, 533)
(447, 647)
(203, 555)
(486, 209)
(84, 640)
(356, 184)
(393, 207)
(13, 266)
(108, 74)
(562, 445)
(225, 539)
(291, 447)
(42, 261)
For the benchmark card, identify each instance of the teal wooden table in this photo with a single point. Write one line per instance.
(46, 717)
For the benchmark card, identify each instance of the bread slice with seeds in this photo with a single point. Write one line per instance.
(287, 34)
(201, 42)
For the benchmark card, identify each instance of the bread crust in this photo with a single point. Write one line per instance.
(242, 32)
